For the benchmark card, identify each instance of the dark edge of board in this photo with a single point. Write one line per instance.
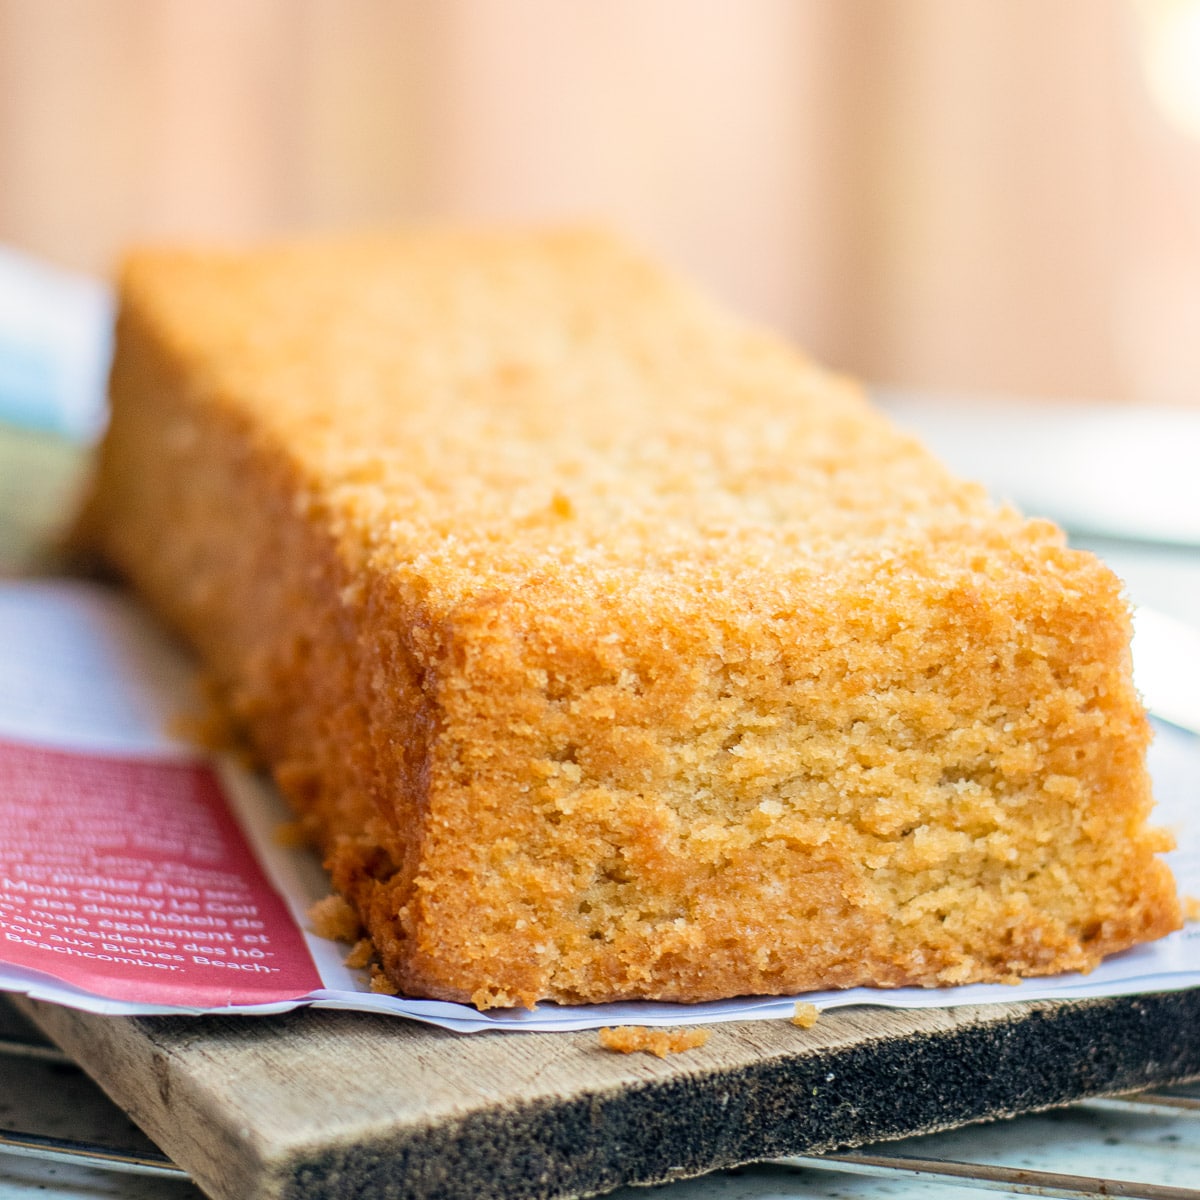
(792, 1104)
(996, 1062)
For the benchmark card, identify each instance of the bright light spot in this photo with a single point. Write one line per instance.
(1171, 51)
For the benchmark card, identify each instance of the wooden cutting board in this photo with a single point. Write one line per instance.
(333, 1105)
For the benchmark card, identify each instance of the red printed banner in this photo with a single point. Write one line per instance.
(129, 878)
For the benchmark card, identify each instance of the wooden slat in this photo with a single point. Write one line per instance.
(336, 1105)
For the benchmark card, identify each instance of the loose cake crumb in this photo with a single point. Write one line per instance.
(805, 1015)
(210, 726)
(333, 918)
(1191, 908)
(625, 1039)
(360, 954)
(290, 835)
(382, 984)
(204, 730)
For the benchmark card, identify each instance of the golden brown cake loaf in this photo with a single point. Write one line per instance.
(610, 648)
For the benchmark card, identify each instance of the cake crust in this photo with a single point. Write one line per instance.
(612, 649)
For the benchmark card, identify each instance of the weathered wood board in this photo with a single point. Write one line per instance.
(333, 1105)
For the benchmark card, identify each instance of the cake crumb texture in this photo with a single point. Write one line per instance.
(805, 1015)
(381, 983)
(290, 835)
(361, 954)
(610, 648)
(627, 1039)
(334, 919)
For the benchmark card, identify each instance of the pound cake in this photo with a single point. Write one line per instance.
(609, 648)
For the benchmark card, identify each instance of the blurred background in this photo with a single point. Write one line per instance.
(989, 209)
(969, 196)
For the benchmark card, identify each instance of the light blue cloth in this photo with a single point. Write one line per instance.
(55, 347)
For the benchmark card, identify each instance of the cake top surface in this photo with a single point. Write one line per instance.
(494, 411)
